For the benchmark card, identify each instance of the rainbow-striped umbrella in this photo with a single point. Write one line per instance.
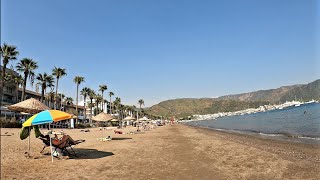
(47, 116)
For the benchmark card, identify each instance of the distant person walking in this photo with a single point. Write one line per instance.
(172, 120)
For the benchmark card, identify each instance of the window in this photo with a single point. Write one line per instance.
(9, 89)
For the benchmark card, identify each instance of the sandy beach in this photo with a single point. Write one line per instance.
(169, 152)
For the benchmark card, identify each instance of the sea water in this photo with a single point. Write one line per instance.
(301, 124)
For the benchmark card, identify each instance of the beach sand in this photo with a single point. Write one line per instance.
(169, 152)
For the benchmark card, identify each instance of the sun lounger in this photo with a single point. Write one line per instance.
(84, 130)
(109, 138)
(118, 132)
(64, 143)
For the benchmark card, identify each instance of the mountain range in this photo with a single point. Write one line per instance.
(190, 106)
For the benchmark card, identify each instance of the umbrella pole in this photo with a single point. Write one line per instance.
(50, 143)
(29, 141)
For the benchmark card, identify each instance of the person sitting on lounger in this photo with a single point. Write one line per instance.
(118, 132)
(62, 141)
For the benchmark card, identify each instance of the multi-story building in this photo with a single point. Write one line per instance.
(10, 90)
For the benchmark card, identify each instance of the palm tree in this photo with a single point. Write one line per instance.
(117, 103)
(17, 80)
(98, 99)
(45, 81)
(91, 94)
(8, 53)
(61, 97)
(102, 88)
(78, 80)
(90, 105)
(58, 73)
(68, 101)
(27, 67)
(140, 102)
(134, 111)
(110, 106)
(85, 92)
(130, 110)
(50, 98)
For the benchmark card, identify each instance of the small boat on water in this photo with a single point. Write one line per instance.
(309, 102)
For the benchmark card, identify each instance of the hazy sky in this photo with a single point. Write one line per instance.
(162, 49)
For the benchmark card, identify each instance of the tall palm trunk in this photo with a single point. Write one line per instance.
(56, 99)
(24, 86)
(17, 93)
(97, 108)
(77, 103)
(91, 109)
(42, 94)
(102, 102)
(85, 109)
(110, 107)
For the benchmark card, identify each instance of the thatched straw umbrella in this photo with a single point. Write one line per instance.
(128, 118)
(31, 106)
(102, 117)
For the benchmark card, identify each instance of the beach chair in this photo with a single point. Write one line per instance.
(64, 143)
(109, 138)
(118, 132)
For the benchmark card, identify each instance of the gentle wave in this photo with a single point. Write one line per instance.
(312, 138)
(273, 135)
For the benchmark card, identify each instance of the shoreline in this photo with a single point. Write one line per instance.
(297, 150)
(273, 136)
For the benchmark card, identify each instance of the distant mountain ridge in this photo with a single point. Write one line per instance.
(304, 92)
(189, 106)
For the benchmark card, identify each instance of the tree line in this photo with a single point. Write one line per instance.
(27, 74)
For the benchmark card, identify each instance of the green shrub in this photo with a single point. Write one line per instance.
(10, 123)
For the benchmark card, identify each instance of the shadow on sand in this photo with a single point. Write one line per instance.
(120, 139)
(83, 153)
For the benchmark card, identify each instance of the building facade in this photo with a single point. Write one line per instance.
(12, 94)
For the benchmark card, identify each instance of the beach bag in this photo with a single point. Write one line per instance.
(56, 152)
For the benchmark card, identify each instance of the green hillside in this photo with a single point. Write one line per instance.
(189, 106)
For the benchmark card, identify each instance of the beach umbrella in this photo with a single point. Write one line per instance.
(102, 117)
(129, 118)
(31, 106)
(143, 119)
(114, 120)
(45, 117)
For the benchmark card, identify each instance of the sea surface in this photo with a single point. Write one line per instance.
(300, 124)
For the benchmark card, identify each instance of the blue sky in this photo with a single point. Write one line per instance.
(159, 50)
